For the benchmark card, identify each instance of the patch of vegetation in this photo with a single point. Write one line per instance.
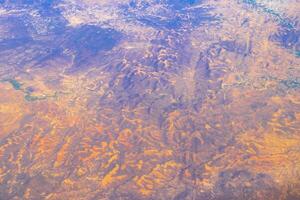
(27, 92)
(291, 83)
(16, 84)
(29, 97)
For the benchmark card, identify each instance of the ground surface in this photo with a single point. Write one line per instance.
(150, 100)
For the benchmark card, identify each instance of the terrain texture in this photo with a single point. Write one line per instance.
(149, 100)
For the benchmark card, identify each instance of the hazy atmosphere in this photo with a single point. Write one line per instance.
(149, 100)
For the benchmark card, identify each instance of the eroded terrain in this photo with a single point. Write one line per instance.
(156, 99)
